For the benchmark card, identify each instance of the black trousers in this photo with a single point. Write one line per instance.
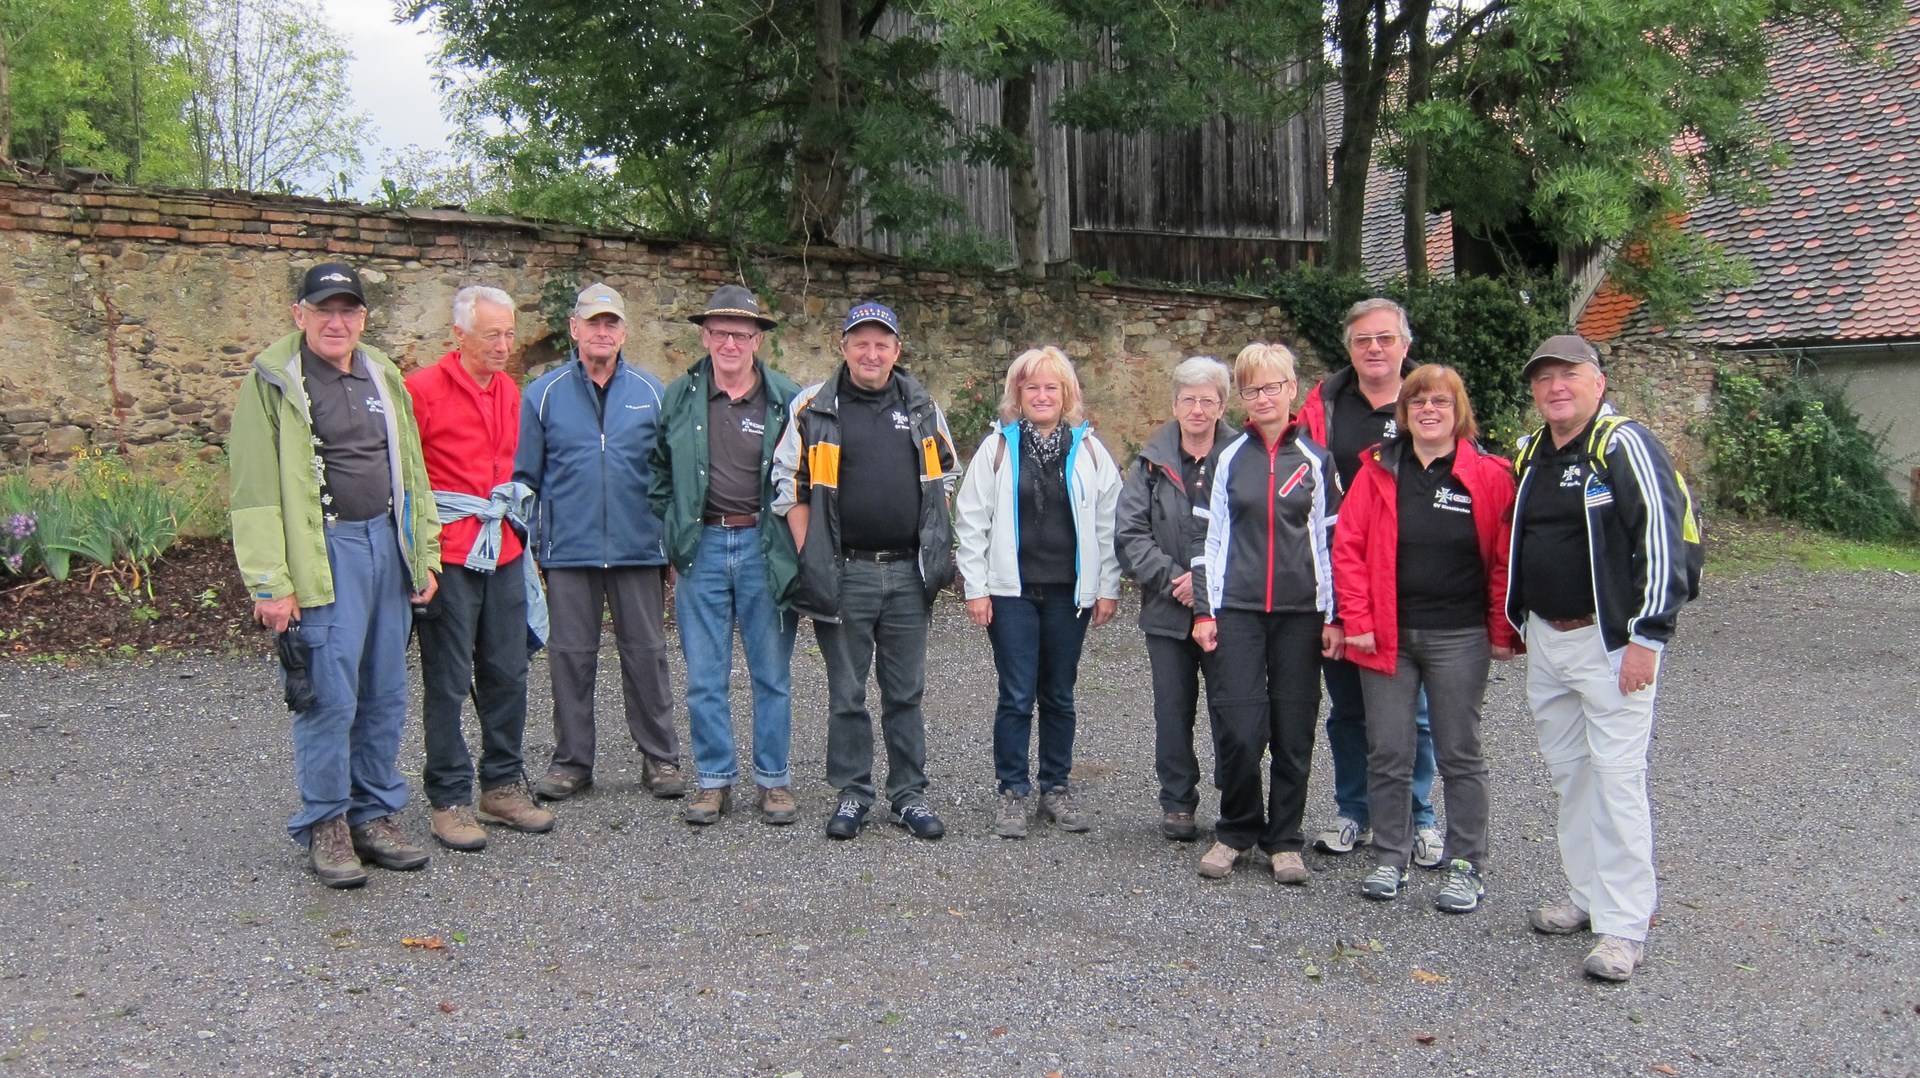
(1177, 665)
(473, 633)
(1264, 692)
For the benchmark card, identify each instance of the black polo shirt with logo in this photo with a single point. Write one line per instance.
(1556, 567)
(1443, 583)
(350, 428)
(1355, 426)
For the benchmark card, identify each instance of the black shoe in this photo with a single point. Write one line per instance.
(918, 819)
(846, 819)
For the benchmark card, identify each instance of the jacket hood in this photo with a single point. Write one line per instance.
(1163, 448)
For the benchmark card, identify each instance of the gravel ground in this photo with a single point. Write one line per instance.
(154, 917)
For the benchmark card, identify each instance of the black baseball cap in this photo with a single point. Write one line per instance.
(330, 279)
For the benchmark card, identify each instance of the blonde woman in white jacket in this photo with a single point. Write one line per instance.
(1035, 521)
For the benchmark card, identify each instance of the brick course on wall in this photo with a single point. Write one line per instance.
(128, 316)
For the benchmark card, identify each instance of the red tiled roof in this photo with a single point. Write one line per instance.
(1836, 254)
(1606, 313)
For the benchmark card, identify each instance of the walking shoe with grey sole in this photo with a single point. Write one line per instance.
(1614, 958)
(662, 779)
(381, 841)
(456, 828)
(330, 854)
(1559, 919)
(1011, 820)
(513, 806)
(1342, 836)
(707, 806)
(1383, 883)
(1429, 850)
(558, 785)
(1057, 805)
(1462, 890)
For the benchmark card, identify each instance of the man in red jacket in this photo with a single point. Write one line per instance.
(474, 633)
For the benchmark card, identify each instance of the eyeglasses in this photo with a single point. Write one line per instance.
(1444, 404)
(336, 314)
(1271, 389)
(1188, 404)
(726, 336)
(1384, 340)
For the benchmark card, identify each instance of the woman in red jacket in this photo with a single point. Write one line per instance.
(1420, 570)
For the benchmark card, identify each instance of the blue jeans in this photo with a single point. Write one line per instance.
(1036, 638)
(727, 586)
(345, 749)
(1347, 742)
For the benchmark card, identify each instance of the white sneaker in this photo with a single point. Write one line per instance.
(1342, 836)
(1428, 848)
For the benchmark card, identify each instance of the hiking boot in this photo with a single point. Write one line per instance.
(1614, 958)
(1011, 820)
(663, 779)
(711, 803)
(777, 806)
(513, 806)
(1342, 836)
(558, 784)
(919, 820)
(1383, 884)
(1560, 919)
(1057, 805)
(1289, 869)
(1219, 861)
(330, 853)
(847, 818)
(1179, 826)
(1428, 849)
(455, 828)
(381, 841)
(1461, 893)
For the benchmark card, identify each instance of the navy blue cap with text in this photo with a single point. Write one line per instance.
(868, 311)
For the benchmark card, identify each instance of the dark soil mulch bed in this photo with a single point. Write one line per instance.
(196, 604)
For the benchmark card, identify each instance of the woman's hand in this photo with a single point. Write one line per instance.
(1360, 642)
(980, 611)
(1206, 634)
(1103, 611)
(1183, 589)
(1333, 642)
(1503, 654)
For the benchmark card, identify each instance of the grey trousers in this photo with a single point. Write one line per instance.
(883, 627)
(1452, 664)
(576, 599)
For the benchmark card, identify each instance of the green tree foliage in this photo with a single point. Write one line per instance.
(97, 85)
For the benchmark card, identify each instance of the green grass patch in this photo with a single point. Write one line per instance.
(1736, 547)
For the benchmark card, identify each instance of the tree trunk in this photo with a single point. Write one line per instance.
(1419, 91)
(820, 172)
(1364, 63)
(6, 101)
(1024, 197)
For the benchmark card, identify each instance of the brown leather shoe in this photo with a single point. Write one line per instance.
(777, 805)
(1179, 826)
(455, 828)
(559, 784)
(381, 841)
(709, 804)
(663, 779)
(513, 806)
(330, 853)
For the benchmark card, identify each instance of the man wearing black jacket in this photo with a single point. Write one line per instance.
(1601, 564)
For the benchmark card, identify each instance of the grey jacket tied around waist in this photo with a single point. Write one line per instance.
(508, 501)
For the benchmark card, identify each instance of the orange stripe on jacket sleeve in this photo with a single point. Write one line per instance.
(823, 464)
(930, 459)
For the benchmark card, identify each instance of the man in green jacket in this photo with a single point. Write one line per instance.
(711, 488)
(334, 528)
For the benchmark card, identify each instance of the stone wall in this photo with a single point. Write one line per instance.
(127, 316)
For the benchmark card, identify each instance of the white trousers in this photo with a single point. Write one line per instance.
(1594, 739)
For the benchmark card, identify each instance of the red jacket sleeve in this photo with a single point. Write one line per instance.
(1352, 584)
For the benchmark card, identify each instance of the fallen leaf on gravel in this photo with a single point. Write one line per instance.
(955, 912)
(447, 1008)
(1749, 969)
(1312, 971)
(997, 1031)
(1427, 976)
(1662, 1068)
(425, 943)
(1056, 1074)
(1425, 1038)
(552, 967)
(705, 990)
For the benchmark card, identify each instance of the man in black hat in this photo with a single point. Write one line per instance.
(862, 476)
(334, 527)
(1604, 556)
(712, 484)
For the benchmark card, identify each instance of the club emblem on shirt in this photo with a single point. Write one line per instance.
(750, 425)
(1390, 430)
(1570, 477)
(375, 407)
(1452, 500)
(900, 421)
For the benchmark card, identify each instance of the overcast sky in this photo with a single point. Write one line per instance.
(392, 79)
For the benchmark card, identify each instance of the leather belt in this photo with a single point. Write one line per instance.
(1567, 625)
(732, 520)
(881, 556)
